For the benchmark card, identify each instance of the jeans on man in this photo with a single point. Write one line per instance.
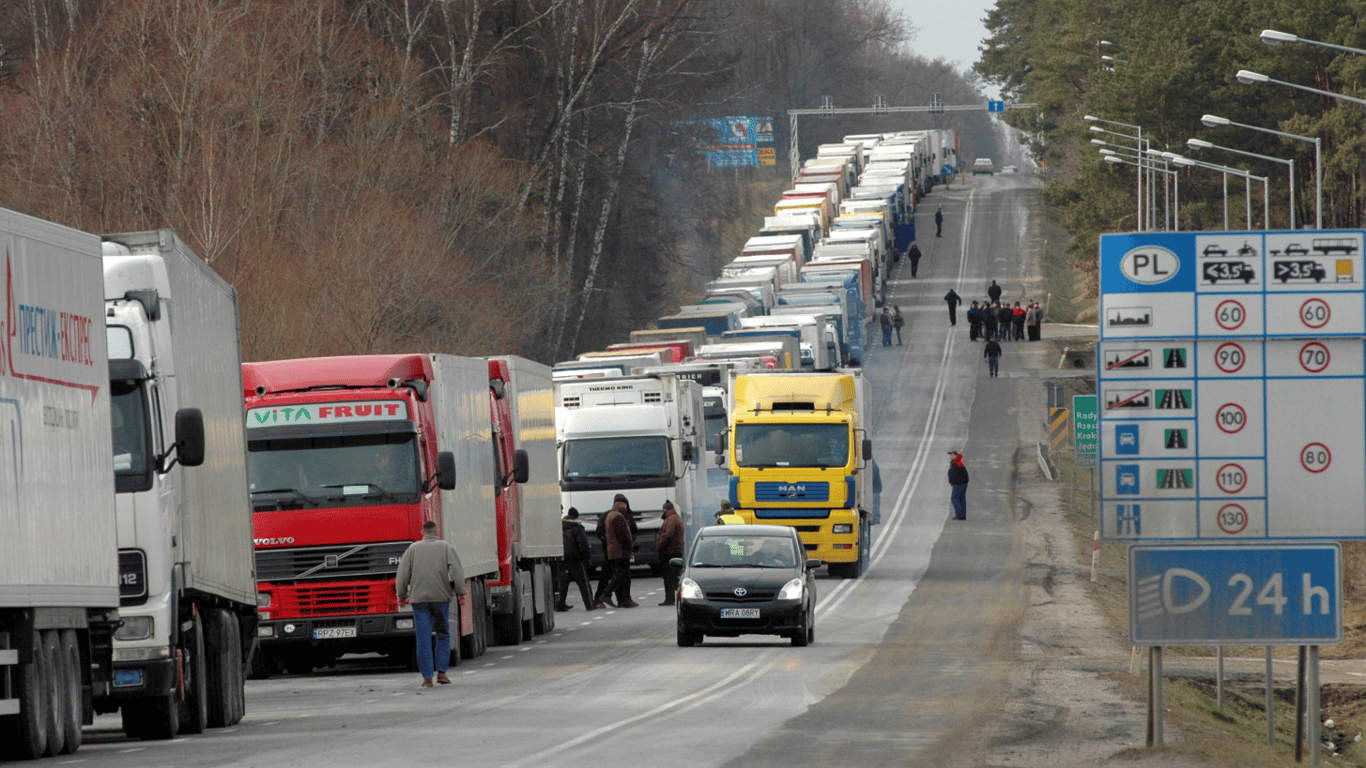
(429, 617)
(993, 364)
(960, 501)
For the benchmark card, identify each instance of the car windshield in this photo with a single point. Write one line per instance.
(616, 458)
(744, 552)
(792, 445)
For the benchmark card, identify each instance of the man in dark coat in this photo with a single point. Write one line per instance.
(958, 481)
(669, 544)
(914, 256)
(992, 353)
(974, 322)
(953, 301)
(988, 320)
(602, 597)
(994, 292)
(619, 540)
(573, 566)
(1004, 317)
(939, 222)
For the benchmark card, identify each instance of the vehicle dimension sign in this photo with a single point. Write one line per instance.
(1253, 594)
(1231, 375)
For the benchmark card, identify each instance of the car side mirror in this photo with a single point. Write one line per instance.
(521, 466)
(445, 471)
(812, 564)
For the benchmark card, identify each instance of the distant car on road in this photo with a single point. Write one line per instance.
(746, 580)
(983, 165)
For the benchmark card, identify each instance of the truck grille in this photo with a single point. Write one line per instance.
(329, 600)
(330, 563)
(790, 492)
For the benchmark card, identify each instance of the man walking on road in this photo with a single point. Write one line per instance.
(669, 544)
(914, 255)
(994, 292)
(885, 320)
(939, 222)
(572, 567)
(958, 481)
(898, 322)
(619, 540)
(992, 352)
(953, 301)
(429, 576)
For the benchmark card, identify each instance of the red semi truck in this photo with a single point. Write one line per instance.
(348, 456)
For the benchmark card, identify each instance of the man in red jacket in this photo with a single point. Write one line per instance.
(619, 544)
(669, 544)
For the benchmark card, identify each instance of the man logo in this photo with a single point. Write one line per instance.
(1150, 265)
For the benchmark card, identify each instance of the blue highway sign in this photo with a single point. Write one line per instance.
(996, 106)
(1245, 595)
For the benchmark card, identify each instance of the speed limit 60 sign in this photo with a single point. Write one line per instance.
(1220, 595)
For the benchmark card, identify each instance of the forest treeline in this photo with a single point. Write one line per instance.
(468, 176)
(1170, 63)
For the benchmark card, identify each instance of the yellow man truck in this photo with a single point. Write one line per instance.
(799, 453)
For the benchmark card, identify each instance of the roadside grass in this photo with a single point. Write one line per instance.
(1235, 734)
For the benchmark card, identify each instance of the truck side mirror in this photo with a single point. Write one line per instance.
(867, 450)
(189, 437)
(720, 443)
(445, 470)
(521, 466)
(687, 450)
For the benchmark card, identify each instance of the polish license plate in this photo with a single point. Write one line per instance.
(328, 633)
(739, 613)
(124, 678)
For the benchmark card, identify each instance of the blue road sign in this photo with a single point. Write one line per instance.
(1246, 595)
(996, 106)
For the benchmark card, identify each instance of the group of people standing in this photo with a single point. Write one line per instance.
(617, 530)
(891, 320)
(994, 319)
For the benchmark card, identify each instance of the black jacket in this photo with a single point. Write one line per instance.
(952, 298)
(958, 474)
(992, 349)
(575, 540)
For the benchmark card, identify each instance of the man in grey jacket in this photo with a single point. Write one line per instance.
(429, 576)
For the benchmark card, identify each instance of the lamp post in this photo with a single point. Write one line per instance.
(1142, 145)
(1266, 193)
(1247, 77)
(1200, 144)
(1115, 158)
(1213, 121)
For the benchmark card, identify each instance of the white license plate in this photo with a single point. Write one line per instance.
(327, 633)
(739, 613)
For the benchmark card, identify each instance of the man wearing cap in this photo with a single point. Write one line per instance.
(669, 544)
(958, 481)
(619, 539)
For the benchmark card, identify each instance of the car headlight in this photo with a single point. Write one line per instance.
(134, 628)
(688, 590)
(842, 528)
(793, 590)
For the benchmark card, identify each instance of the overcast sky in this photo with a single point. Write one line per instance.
(949, 30)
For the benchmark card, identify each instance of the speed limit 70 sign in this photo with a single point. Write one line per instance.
(1225, 595)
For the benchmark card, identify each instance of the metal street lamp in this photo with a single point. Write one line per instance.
(1115, 158)
(1272, 37)
(1201, 144)
(1141, 146)
(1214, 121)
(1266, 193)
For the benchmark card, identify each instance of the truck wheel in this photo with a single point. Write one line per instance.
(194, 717)
(28, 730)
(57, 702)
(543, 589)
(453, 629)
(507, 627)
(218, 668)
(75, 698)
(152, 718)
(239, 670)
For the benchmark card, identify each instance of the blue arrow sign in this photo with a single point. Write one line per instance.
(996, 106)
(1235, 595)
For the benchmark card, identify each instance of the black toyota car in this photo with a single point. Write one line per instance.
(746, 580)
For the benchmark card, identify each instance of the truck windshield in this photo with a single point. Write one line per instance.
(607, 459)
(792, 445)
(132, 437)
(714, 417)
(351, 469)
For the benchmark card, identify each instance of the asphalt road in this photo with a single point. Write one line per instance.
(903, 657)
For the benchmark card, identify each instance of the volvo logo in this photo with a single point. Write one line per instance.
(741, 591)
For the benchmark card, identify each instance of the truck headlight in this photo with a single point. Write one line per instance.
(842, 528)
(262, 599)
(688, 590)
(135, 628)
(793, 590)
(403, 623)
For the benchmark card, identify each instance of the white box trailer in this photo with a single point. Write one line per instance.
(185, 531)
(459, 394)
(59, 575)
(532, 393)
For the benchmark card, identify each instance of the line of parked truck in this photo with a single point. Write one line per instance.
(249, 518)
(755, 394)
